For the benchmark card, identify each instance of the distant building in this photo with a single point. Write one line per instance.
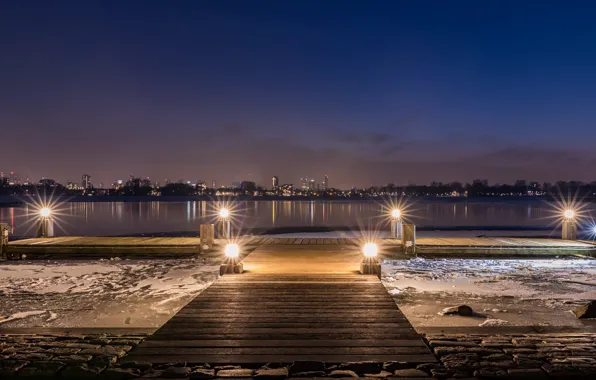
(86, 181)
(275, 181)
(248, 186)
(311, 185)
(14, 179)
(72, 186)
(287, 189)
(326, 183)
(214, 185)
(304, 184)
(47, 182)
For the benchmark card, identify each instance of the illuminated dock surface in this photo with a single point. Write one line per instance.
(80, 246)
(309, 305)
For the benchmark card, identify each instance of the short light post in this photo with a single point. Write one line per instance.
(408, 238)
(396, 224)
(225, 225)
(4, 231)
(370, 264)
(207, 236)
(44, 224)
(231, 264)
(569, 226)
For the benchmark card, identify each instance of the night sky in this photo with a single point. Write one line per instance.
(368, 92)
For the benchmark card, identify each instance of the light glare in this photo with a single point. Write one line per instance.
(224, 212)
(45, 212)
(569, 214)
(232, 250)
(370, 249)
(396, 213)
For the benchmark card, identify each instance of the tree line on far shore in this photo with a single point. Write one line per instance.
(478, 188)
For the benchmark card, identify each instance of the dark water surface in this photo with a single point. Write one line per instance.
(128, 218)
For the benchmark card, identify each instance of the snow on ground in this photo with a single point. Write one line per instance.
(99, 293)
(504, 292)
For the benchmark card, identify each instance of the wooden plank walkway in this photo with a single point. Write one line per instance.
(80, 246)
(260, 318)
(289, 307)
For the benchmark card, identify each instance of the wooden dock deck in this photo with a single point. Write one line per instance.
(84, 246)
(289, 310)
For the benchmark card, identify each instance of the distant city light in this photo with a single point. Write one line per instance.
(396, 213)
(45, 212)
(569, 214)
(232, 250)
(370, 249)
(224, 213)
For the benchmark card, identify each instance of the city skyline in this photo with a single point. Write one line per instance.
(305, 183)
(402, 92)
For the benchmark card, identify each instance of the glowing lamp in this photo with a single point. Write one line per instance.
(370, 249)
(569, 214)
(232, 250)
(594, 230)
(396, 213)
(224, 213)
(45, 212)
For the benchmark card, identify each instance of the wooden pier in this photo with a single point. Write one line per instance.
(289, 307)
(89, 247)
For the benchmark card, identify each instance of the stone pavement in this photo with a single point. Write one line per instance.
(68, 356)
(472, 356)
(516, 356)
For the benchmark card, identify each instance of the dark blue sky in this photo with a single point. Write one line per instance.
(366, 92)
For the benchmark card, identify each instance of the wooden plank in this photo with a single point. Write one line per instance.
(298, 241)
(204, 326)
(288, 343)
(294, 317)
(277, 308)
(278, 330)
(278, 358)
(280, 350)
(172, 335)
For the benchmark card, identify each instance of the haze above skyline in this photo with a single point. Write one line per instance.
(365, 92)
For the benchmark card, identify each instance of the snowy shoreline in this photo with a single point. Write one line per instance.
(512, 292)
(99, 293)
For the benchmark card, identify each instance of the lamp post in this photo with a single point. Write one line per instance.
(370, 264)
(4, 231)
(569, 225)
(231, 265)
(396, 224)
(44, 224)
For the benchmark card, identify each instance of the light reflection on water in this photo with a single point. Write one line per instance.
(121, 218)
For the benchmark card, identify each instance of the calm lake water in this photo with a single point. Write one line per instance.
(124, 218)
